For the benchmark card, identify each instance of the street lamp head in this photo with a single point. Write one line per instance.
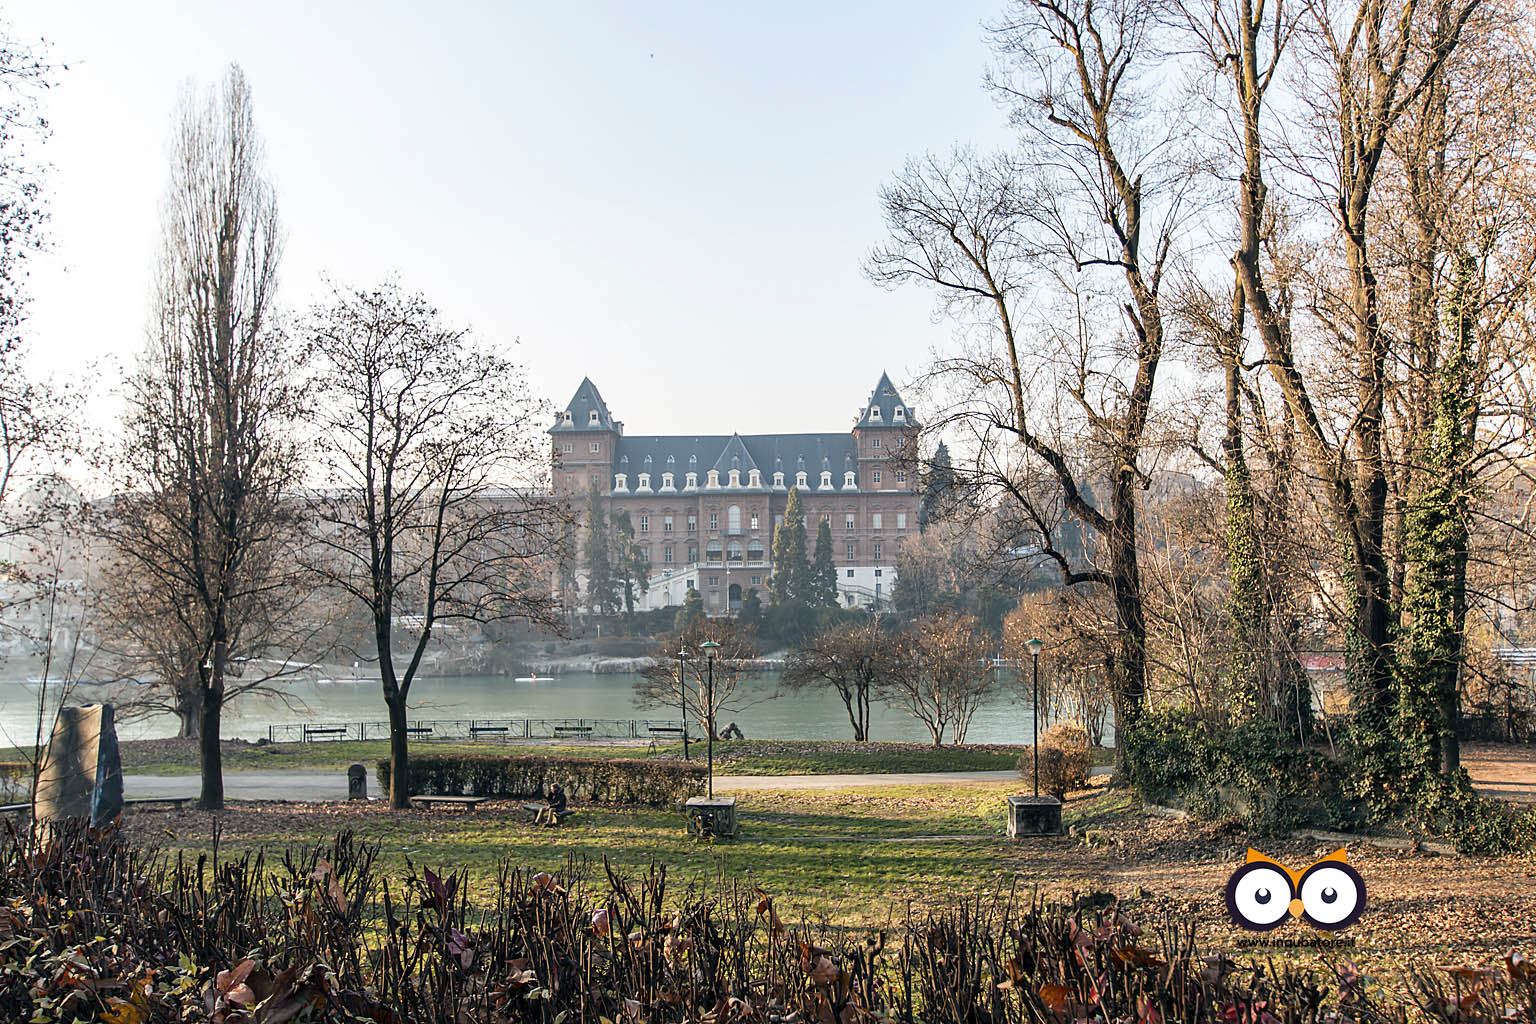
(682, 653)
(1034, 646)
(710, 646)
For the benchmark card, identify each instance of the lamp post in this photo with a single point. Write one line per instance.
(682, 696)
(1034, 646)
(710, 647)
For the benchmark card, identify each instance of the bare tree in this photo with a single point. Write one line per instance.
(939, 674)
(434, 510)
(206, 459)
(705, 692)
(850, 659)
(1060, 254)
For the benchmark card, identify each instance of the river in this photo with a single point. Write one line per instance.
(755, 708)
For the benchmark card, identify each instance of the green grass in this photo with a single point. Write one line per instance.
(847, 856)
(732, 757)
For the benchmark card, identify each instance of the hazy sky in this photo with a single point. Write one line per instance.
(672, 198)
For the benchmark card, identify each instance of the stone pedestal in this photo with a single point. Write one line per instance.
(719, 810)
(357, 783)
(82, 772)
(1033, 816)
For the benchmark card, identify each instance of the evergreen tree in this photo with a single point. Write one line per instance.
(791, 569)
(602, 588)
(631, 567)
(823, 578)
(937, 487)
(691, 613)
(751, 612)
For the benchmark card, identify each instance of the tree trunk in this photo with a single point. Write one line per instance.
(190, 713)
(399, 775)
(1130, 616)
(210, 757)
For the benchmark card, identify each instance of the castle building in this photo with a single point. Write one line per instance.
(705, 507)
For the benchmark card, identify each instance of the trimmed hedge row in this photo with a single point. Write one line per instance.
(650, 782)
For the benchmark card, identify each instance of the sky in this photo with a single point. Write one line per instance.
(671, 198)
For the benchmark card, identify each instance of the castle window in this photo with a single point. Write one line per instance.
(901, 520)
(666, 524)
(849, 482)
(645, 524)
(754, 520)
(875, 442)
(733, 551)
(778, 479)
(692, 482)
(565, 417)
(712, 552)
(735, 478)
(733, 519)
(900, 413)
(693, 522)
(901, 476)
(666, 482)
(850, 574)
(714, 521)
(877, 557)
(874, 520)
(567, 448)
(620, 482)
(594, 448)
(874, 412)
(592, 417)
(714, 581)
(754, 551)
(853, 552)
(754, 478)
(848, 521)
(877, 476)
(800, 479)
(757, 581)
(666, 554)
(645, 482)
(714, 478)
(826, 479)
(693, 553)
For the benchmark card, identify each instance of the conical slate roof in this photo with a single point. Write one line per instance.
(887, 401)
(580, 407)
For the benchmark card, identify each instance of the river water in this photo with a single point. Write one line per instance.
(756, 708)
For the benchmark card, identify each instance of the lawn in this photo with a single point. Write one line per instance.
(732, 757)
(862, 857)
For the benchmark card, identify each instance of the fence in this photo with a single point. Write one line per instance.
(481, 729)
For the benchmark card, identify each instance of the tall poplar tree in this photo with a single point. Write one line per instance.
(790, 566)
(822, 590)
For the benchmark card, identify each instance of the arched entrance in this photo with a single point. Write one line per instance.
(733, 596)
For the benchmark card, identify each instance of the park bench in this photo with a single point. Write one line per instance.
(476, 730)
(584, 731)
(418, 730)
(311, 731)
(669, 730)
(532, 812)
(469, 803)
(176, 802)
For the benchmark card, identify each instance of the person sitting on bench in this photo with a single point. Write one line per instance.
(554, 806)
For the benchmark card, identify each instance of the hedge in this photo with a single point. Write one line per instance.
(651, 782)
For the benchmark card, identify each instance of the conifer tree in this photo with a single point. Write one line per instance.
(823, 579)
(790, 566)
(601, 585)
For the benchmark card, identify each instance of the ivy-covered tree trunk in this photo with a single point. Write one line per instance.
(1245, 602)
(1436, 539)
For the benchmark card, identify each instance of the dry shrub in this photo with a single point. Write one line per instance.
(1063, 759)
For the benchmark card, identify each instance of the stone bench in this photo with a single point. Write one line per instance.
(469, 803)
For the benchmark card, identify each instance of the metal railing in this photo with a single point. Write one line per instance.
(478, 729)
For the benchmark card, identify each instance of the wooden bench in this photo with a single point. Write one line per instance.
(476, 730)
(310, 733)
(671, 730)
(584, 731)
(418, 730)
(469, 803)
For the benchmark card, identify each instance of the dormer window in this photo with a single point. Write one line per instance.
(848, 481)
(692, 482)
(621, 481)
(565, 417)
(666, 482)
(754, 478)
(735, 478)
(900, 413)
(826, 479)
(800, 479)
(714, 478)
(874, 412)
(592, 418)
(645, 482)
(778, 479)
